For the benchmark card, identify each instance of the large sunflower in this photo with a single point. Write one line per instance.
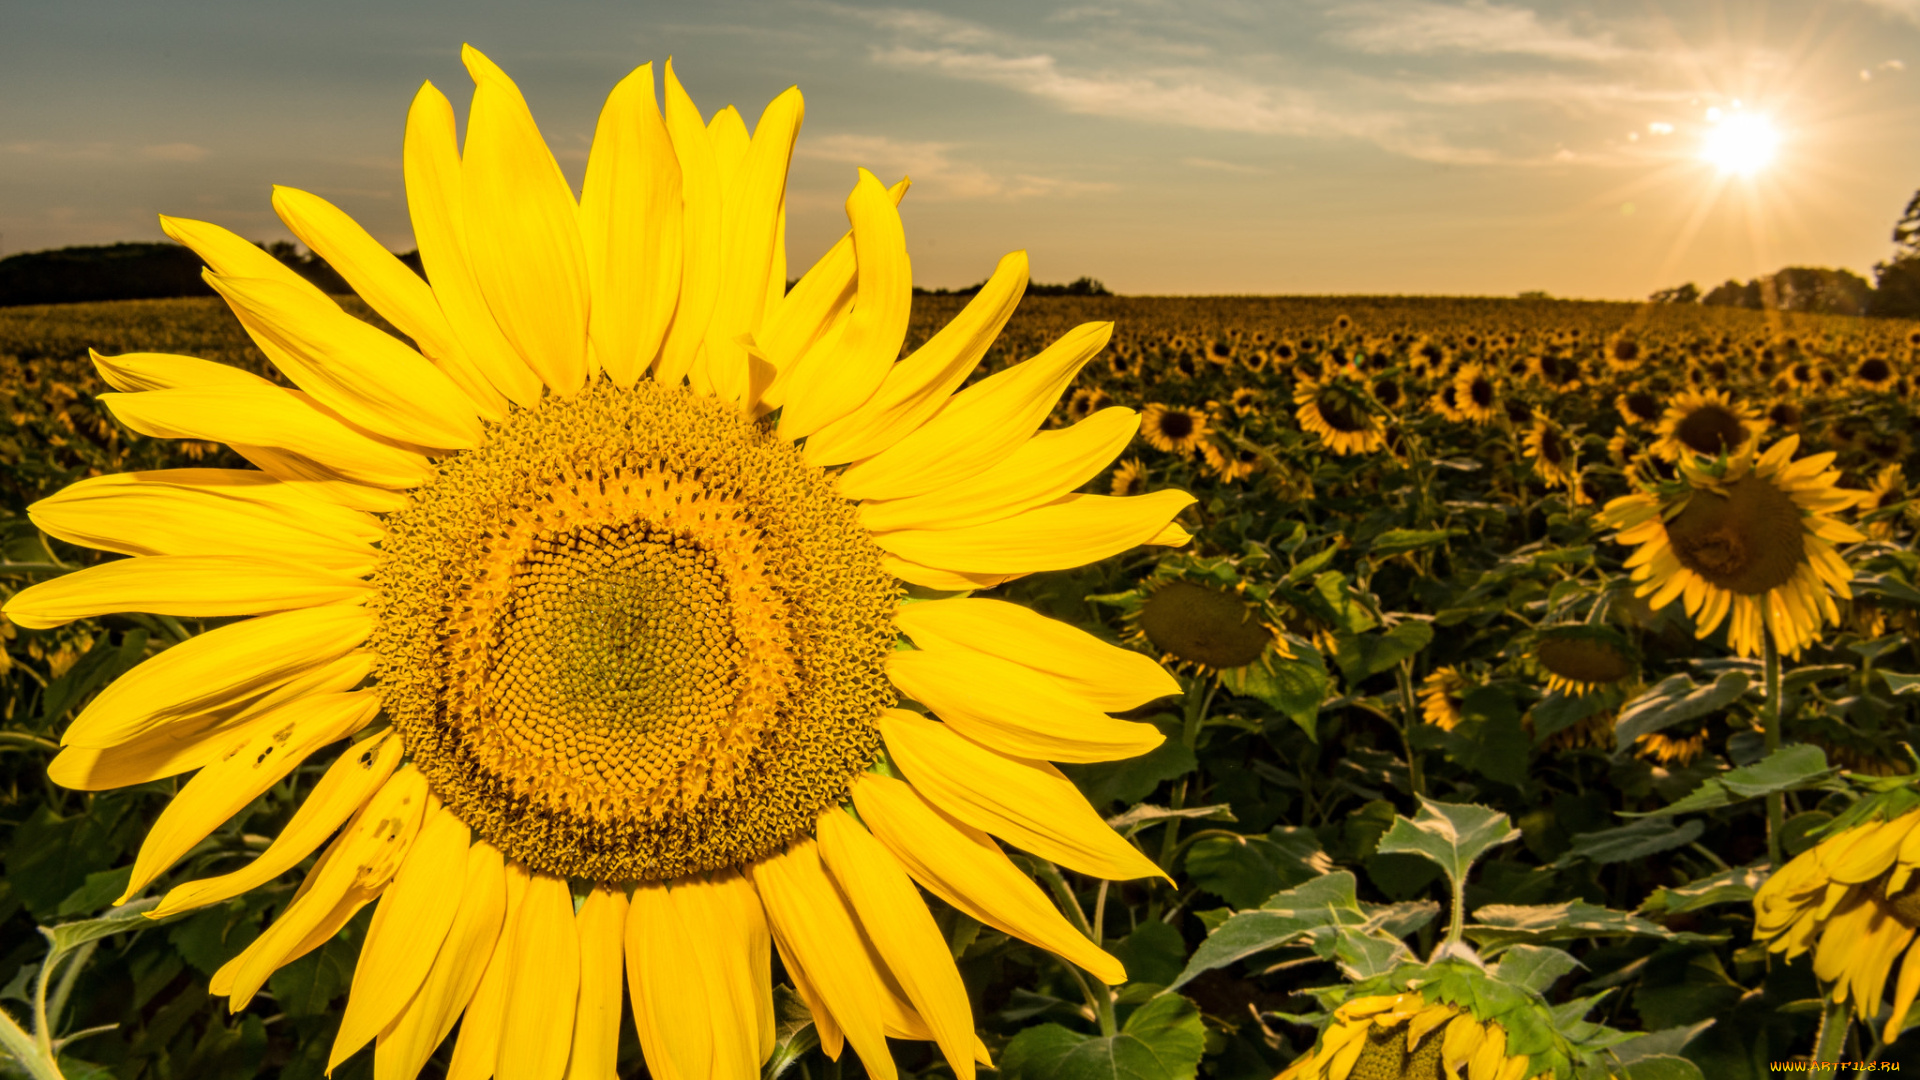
(1853, 900)
(1751, 536)
(1402, 1035)
(604, 585)
(1706, 423)
(1339, 410)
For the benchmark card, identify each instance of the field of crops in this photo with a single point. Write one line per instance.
(1406, 583)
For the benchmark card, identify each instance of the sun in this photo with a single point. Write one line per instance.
(1742, 143)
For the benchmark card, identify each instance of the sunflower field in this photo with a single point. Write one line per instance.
(1549, 679)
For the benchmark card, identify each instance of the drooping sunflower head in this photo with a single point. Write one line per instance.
(1706, 423)
(1751, 538)
(1581, 659)
(1888, 491)
(1173, 429)
(1443, 697)
(1671, 749)
(1201, 626)
(1404, 1037)
(1339, 410)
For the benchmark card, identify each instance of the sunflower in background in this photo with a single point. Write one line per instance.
(1173, 429)
(1443, 697)
(1707, 423)
(1749, 538)
(1639, 406)
(1678, 751)
(1889, 489)
(1476, 396)
(1129, 478)
(1852, 901)
(1339, 411)
(604, 586)
(1552, 453)
(1580, 659)
(1405, 1036)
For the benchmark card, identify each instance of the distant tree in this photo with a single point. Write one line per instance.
(1897, 281)
(1678, 294)
(1534, 294)
(1084, 286)
(101, 272)
(1732, 293)
(1818, 289)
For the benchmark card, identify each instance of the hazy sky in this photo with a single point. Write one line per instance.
(1293, 146)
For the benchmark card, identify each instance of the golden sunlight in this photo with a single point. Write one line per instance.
(1739, 143)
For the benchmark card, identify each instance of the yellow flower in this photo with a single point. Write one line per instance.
(1475, 394)
(1336, 409)
(1753, 541)
(603, 583)
(1706, 423)
(1173, 429)
(1551, 452)
(1580, 659)
(1889, 488)
(1442, 695)
(1668, 749)
(1400, 1035)
(1129, 478)
(1853, 901)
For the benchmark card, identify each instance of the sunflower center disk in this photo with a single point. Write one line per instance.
(633, 636)
(1747, 541)
(1710, 429)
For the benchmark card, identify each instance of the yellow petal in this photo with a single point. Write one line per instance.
(404, 1048)
(308, 476)
(1112, 678)
(438, 208)
(699, 972)
(963, 866)
(1490, 1057)
(700, 234)
(916, 387)
(478, 1047)
(1073, 531)
(349, 874)
(1457, 1046)
(133, 372)
(1027, 803)
(630, 226)
(254, 760)
(941, 580)
(1044, 468)
(408, 927)
(218, 668)
(596, 1029)
(1905, 989)
(543, 984)
(749, 232)
(903, 931)
(804, 318)
(269, 416)
(368, 377)
(831, 381)
(1015, 709)
(197, 585)
(1869, 856)
(229, 254)
(389, 286)
(523, 232)
(816, 933)
(343, 789)
(978, 427)
(668, 986)
(209, 512)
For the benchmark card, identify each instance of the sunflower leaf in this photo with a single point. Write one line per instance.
(1401, 541)
(1295, 688)
(1646, 836)
(1360, 654)
(1320, 913)
(1451, 834)
(1675, 700)
(1498, 927)
(1790, 768)
(793, 1033)
(1536, 967)
(1734, 886)
(1161, 1040)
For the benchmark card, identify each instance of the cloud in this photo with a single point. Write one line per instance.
(178, 151)
(1422, 27)
(937, 176)
(88, 151)
(1212, 165)
(1902, 9)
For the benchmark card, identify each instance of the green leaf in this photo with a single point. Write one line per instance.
(1535, 967)
(1647, 836)
(309, 985)
(1162, 1040)
(51, 856)
(1363, 655)
(1557, 711)
(1245, 870)
(1399, 541)
(1735, 886)
(1127, 782)
(1147, 813)
(1293, 688)
(129, 916)
(209, 938)
(1451, 834)
(1789, 768)
(1501, 926)
(1901, 685)
(793, 1032)
(102, 663)
(1490, 739)
(1675, 700)
(1663, 1067)
(1347, 614)
(1154, 953)
(102, 887)
(1318, 913)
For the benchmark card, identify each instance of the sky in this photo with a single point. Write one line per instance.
(1459, 147)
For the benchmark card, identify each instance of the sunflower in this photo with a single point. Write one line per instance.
(1122, 365)
(1246, 400)
(1581, 659)
(1783, 415)
(1085, 402)
(1173, 429)
(1637, 406)
(1751, 538)
(1446, 402)
(1624, 352)
(1707, 423)
(1669, 749)
(1852, 901)
(1231, 464)
(1623, 449)
(603, 585)
(1873, 374)
(1338, 410)
(1401, 1035)
(1475, 394)
(1551, 452)
(1889, 489)
(1203, 628)
(1443, 696)
(1129, 478)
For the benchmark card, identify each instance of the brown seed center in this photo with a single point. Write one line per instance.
(1748, 541)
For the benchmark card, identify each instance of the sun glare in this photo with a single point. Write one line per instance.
(1740, 143)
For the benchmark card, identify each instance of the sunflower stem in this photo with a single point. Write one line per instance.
(1771, 716)
(25, 1050)
(1835, 1020)
(1410, 706)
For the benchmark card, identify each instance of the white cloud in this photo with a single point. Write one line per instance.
(937, 176)
(1423, 27)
